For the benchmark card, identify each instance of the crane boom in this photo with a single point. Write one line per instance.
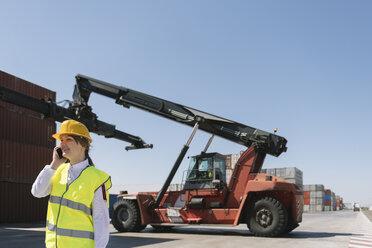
(236, 132)
(49, 109)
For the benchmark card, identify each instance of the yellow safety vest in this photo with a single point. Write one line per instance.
(70, 217)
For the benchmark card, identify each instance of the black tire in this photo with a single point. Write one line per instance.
(126, 216)
(290, 226)
(268, 218)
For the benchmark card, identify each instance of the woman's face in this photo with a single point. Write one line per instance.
(70, 148)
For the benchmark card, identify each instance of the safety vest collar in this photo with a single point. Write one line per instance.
(70, 232)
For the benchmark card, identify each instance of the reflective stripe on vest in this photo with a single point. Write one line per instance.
(70, 232)
(70, 204)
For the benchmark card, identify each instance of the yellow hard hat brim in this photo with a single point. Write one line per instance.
(57, 136)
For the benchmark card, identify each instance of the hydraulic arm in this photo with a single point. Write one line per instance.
(51, 110)
(233, 131)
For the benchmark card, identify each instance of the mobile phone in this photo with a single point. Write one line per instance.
(59, 151)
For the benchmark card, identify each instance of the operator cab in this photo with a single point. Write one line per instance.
(206, 171)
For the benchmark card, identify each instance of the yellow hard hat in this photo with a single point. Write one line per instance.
(72, 127)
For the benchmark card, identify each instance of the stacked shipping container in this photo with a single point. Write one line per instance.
(234, 158)
(333, 201)
(339, 203)
(314, 195)
(327, 200)
(228, 168)
(291, 174)
(25, 147)
(231, 160)
(176, 187)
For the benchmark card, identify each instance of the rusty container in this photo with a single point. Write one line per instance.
(26, 147)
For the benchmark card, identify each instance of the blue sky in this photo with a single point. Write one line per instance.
(303, 67)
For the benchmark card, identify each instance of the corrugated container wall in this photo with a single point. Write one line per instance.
(291, 174)
(231, 159)
(25, 147)
(313, 197)
(327, 200)
(228, 175)
(228, 161)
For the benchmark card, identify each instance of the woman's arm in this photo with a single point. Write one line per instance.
(101, 220)
(43, 183)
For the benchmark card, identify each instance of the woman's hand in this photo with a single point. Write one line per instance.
(56, 160)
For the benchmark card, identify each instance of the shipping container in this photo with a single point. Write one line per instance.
(228, 161)
(306, 194)
(228, 175)
(341, 203)
(315, 194)
(18, 205)
(314, 187)
(318, 194)
(333, 201)
(13, 125)
(176, 187)
(306, 208)
(26, 146)
(296, 181)
(327, 208)
(291, 174)
(316, 201)
(233, 162)
(271, 172)
(319, 187)
(316, 208)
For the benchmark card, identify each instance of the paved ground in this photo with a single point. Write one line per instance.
(325, 229)
(368, 214)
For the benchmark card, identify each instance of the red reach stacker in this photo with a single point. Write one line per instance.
(270, 206)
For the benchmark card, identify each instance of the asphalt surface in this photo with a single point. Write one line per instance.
(324, 229)
(368, 214)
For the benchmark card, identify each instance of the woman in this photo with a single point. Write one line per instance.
(77, 209)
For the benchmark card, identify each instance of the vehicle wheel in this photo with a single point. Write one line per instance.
(290, 228)
(268, 218)
(291, 225)
(126, 216)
